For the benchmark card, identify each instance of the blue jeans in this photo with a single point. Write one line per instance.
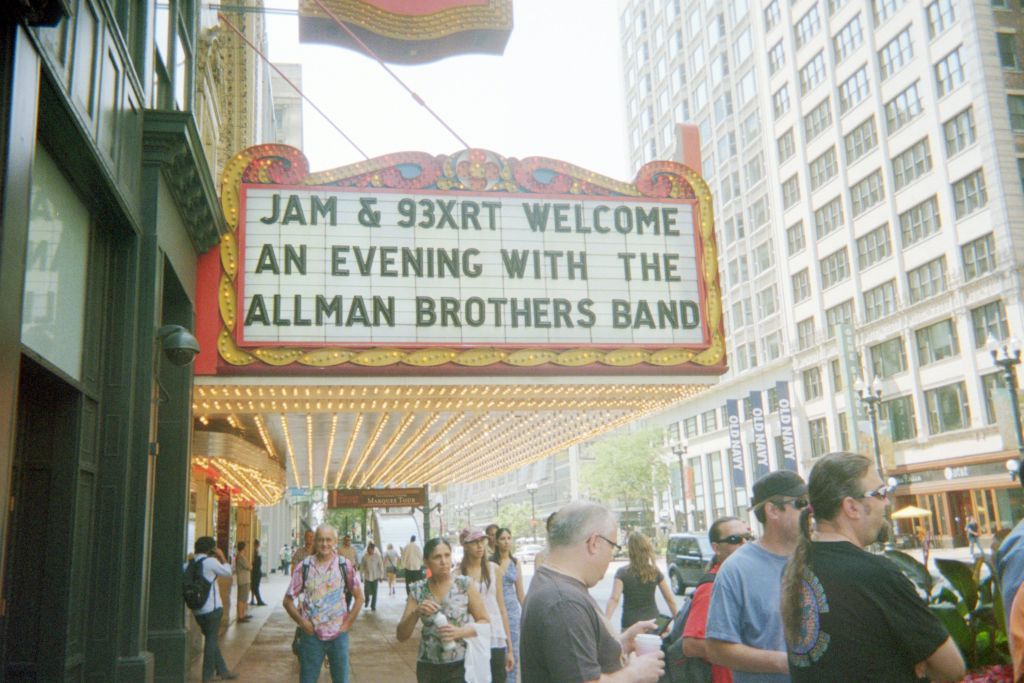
(209, 624)
(312, 651)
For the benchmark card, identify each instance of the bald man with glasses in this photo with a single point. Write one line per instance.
(744, 627)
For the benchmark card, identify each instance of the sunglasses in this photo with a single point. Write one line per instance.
(797, 503)
(736, 539)
(882, 492)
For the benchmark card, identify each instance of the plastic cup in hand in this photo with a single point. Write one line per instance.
(441, 620)
(647, 643)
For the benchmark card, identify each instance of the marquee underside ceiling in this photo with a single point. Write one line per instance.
(378, 435)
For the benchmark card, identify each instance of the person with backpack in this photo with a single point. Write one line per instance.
(315, 600)
(727, 534)
(201, 595)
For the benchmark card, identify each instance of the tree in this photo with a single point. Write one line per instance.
(627, 469)
(516, 518)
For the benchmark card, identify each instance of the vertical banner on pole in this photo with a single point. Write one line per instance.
(850, 366)
(760, 437)
(786, 426)
(735, 444)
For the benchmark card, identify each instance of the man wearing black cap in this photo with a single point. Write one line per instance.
(744, 629)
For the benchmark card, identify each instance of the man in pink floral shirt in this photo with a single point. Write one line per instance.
(315, 600)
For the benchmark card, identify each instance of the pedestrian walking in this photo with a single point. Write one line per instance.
(636, 583)
(512, 585)
(347, 551)
(412, 563)
(305, 551)
(243, 574)
(973, 537)
(486, 576)
(286, 557)
(315, 600)
(391, 560)
(372, 569)
(727, 535)
(257, 574)
(565, 637)
(444, 604)
(209, 616)
(850, 615)
(744, 628)
(491, 531)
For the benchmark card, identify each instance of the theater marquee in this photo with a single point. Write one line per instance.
(465, 263)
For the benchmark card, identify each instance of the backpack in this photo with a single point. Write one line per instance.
(195, 589)
(345, 570)
(678, 667)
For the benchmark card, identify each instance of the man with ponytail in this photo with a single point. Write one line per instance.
(850, 615)
(744, 630)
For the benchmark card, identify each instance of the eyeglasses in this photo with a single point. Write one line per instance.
(736, 539)
(882, 492)
(797, 503)
(610, 542)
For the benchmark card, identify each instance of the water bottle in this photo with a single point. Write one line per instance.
(441, 620)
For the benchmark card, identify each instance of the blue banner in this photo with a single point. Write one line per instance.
(760, 437)
(786, 426)
(735, 444)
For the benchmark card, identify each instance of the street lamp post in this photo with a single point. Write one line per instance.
(1006, 355)
(872, 397)
(679, 450)
(531, 488)
(496, 498)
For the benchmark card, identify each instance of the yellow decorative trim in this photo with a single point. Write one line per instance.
(496, 15)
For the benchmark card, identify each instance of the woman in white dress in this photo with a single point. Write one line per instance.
(486, 577)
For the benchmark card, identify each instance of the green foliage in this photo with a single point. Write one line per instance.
(969, 607)
(627, 469)
(516, 518)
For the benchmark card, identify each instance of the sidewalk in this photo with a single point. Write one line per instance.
(261, 650)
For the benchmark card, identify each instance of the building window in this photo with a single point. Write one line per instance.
(1015, 103)
(989, 320)
(751, 128)
(888, 358)
(899, 412)
(785, 145)
(936, 342)
(990, 384)
(883, 9)
(805, 333)
(902, 108)
(927, 280)
(861, 140)
(790, 191)
(771, 15)
(818, 431)
(807, 26)
(920, 221)
(867, 193)
(719, 68)
(759, 212)
(941, 15)
(764, 257)
(836, 372)
(743, 47)
(880, 301)
(959, 131)
(874, 247)
(812, 384)
(1007, 45)
(836, 5)
(969, 193)
(844, 431)
(895, 54)
(767, 302)
(780, 101)
(912, 163)
(776, 57)
(818, 119)
(834, 268)
(727, 146)
(690, 427)
(947, 408)
(828, 218)
(841, 314)
(709, 420)
(747, 88)
(801, 286)
(812, 74)
(979, 257)
(848, 39)
(795, 238)
(772, 345)
(853, 90)
(949, 73)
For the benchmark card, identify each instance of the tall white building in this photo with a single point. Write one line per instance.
(868, 180)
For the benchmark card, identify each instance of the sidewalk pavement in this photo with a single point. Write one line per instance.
(260, 651)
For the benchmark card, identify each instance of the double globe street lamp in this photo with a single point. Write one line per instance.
(1006, 354)
(871, 396)
(531, 488)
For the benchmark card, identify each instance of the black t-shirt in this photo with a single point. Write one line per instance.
(638, 601)
(564, 637)
(862, 620)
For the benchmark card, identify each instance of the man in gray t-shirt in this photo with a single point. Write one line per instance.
(744, 629)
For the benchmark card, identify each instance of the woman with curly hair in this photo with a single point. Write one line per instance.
(635, 584)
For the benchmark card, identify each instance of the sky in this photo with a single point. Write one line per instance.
(555, 92)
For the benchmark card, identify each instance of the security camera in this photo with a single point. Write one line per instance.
(178, 344)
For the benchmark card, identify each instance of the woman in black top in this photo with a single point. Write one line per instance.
(635, 584)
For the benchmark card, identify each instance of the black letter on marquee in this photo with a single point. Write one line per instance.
(257, 311)
(267, 260)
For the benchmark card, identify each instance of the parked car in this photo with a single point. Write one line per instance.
(687, 557)
(526, 553)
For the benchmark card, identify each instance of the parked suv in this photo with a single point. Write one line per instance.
(687, 557)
